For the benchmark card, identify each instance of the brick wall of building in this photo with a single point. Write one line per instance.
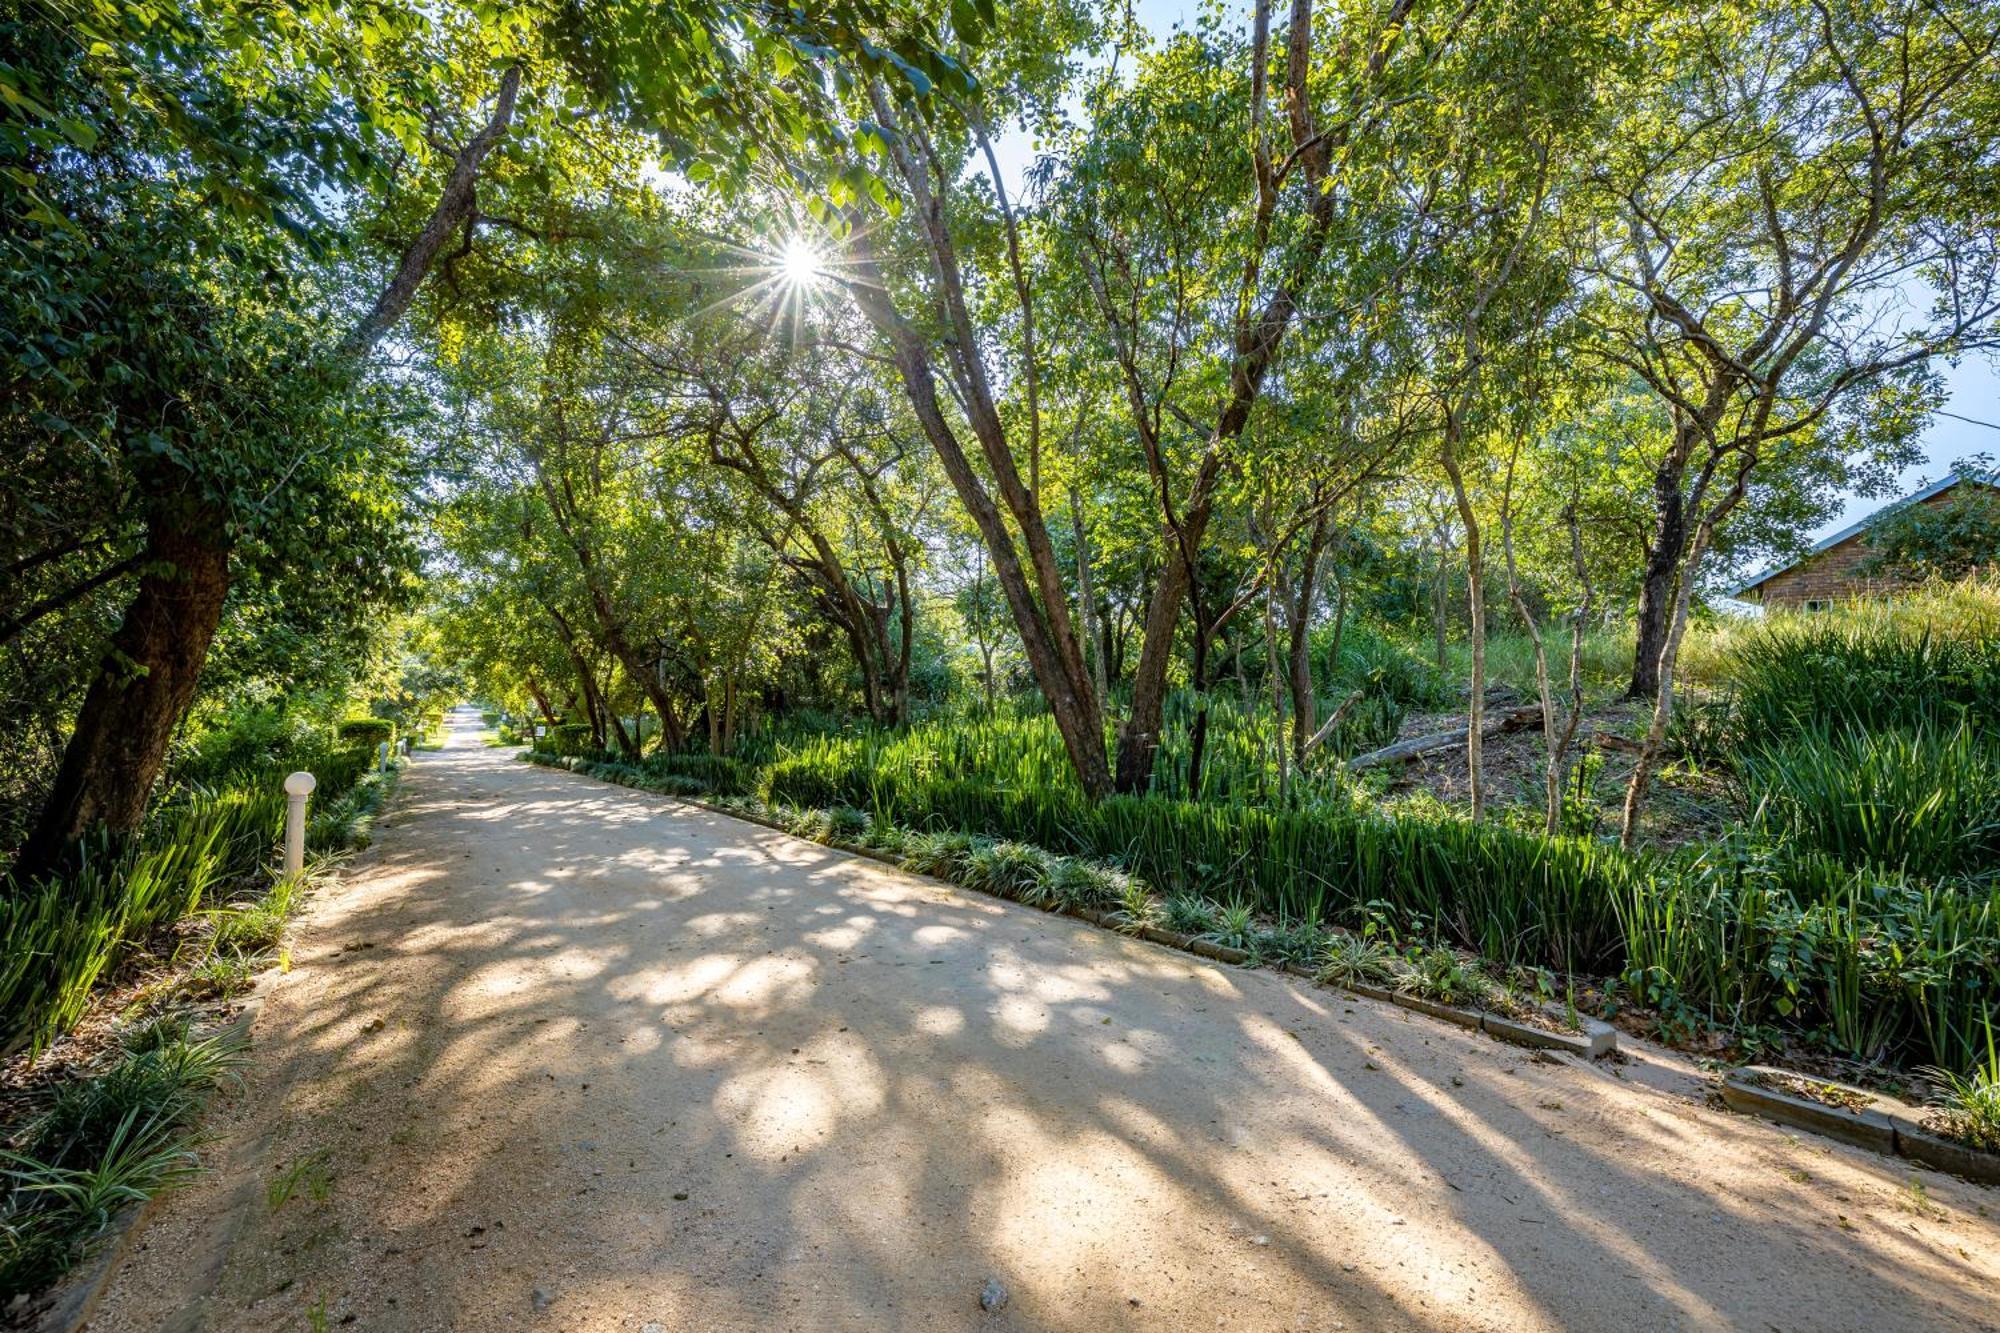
(1831, 575)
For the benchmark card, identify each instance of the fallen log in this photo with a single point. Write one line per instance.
(1512, 719)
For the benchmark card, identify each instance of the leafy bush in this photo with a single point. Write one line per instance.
(566, 739)
(942, 855)
(1380, 666)
(1189, 913)
(1075, 884)
(367, 732)
(1443, 976)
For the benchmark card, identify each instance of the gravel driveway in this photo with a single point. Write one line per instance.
(560, 1055)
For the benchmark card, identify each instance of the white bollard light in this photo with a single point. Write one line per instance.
(297, 787)
(382, 755)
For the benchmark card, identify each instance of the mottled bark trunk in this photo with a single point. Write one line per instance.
(1298, 651)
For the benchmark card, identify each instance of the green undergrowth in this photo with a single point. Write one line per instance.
(202, 848)
(1729, 925)
(99, 1143)
(120, 1130)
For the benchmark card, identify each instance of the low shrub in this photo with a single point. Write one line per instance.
(1010, 869)
(367, 732)
(1349, 959)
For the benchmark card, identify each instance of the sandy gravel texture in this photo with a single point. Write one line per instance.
(560, 1055)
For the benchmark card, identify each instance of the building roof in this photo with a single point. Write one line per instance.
(1855, 529)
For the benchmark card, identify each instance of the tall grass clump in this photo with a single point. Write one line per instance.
(1923, 800)
(1928, 657)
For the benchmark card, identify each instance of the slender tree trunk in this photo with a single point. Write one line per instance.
(1663, 701)
(1559, 746)
(625, 743)
(541, 701)
(142, 688)
(1305, 704)
(1086, 600)
(1439, 583)
(457, 205)
(1277, 682)
(1475, 600)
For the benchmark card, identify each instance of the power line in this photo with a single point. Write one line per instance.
(1974, 420)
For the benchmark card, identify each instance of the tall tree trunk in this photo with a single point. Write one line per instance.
(148, 679)
(1086, 600)
(1039, 607)
(1298, 654)
(142, 688)
(1657, 581)
(1475, 600)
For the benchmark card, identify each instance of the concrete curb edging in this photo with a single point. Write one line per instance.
(1597, 1038)
(1885, 1125)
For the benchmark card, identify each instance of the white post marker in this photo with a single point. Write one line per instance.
(382, 755)
(297, 787)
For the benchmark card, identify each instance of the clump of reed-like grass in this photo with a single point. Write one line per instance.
(1923, 800)
(100, 1144)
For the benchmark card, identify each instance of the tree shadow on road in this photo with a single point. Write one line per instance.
(591, 1058)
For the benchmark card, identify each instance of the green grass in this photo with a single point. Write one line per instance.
(309, 1176)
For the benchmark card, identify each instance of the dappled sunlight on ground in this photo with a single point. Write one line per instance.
(659, 1065)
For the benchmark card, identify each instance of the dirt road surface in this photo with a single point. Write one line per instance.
(560, 1055)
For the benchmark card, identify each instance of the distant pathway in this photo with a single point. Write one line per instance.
(562, 1055)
